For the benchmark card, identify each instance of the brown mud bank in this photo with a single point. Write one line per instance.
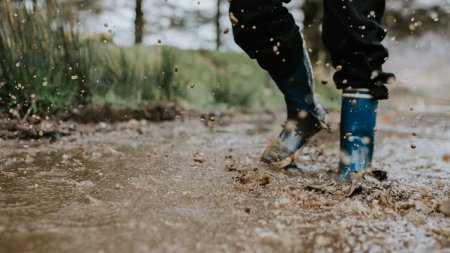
(63, 123)
(196, 185)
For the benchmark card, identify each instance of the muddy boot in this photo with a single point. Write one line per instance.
(282, 151)
(305, 116)
(358, 119)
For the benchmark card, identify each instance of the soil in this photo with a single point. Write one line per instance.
(195, 184)
(63, 123)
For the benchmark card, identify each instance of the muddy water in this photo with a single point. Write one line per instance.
(183, 187)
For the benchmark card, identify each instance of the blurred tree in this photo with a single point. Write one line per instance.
(34, 2)
(139, 23)
(218, 29)
(182, 19)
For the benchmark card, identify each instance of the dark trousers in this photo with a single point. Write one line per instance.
(352, 33)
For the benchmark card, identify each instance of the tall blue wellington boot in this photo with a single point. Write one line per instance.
(304, 113)
(358, 119)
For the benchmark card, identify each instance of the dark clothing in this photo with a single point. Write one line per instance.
(263, 25)
(352, 33)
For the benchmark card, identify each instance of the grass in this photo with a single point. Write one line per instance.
(158, 73)
(203, 78)
(45, 66)
(42, 63)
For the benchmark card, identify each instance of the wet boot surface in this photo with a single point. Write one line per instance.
(183, 187)
(282, 151)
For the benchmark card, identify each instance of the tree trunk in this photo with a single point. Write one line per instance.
(139, 23)
(218, 32)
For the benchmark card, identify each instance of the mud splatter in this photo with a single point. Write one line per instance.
(93, 191)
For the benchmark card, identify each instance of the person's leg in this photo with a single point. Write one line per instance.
(266, 31)
(352, 33)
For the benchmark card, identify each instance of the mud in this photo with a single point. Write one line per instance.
(197, 186)
(106, 113)
(64, 122)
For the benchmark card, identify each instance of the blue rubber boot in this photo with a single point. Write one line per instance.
(358, 120)
(298, 91)
(305, 116)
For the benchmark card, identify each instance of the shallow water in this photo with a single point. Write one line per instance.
(183, 187)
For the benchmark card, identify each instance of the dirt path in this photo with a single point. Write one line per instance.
(183, 187)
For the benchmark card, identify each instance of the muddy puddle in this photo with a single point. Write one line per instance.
(197, 186)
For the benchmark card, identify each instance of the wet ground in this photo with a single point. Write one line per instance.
(183, 186)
